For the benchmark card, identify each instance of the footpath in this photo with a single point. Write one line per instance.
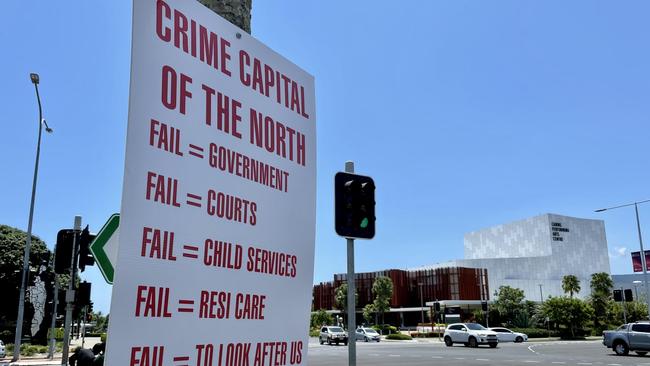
(42, 360)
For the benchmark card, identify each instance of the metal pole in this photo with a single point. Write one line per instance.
(69, 295)
(541, 296)
(421, 303)
(50, 351)
(83, 325)
(352, 345)
(643, 263)
(28, 244)
(624, 308)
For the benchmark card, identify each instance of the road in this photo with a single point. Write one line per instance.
(577, 353)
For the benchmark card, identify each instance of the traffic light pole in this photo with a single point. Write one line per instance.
(69, 296)
(55, 301)
(352, 314)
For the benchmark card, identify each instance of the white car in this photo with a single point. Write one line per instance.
(3, 352)
(367, 335)
(506, 335)
(470, 334)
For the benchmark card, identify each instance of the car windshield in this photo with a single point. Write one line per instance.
(370, 331)
(474, 326)
(336, 329)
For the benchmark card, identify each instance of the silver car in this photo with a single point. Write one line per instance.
(506, 335)
(367, 335)
(3, 352)
(331, 334)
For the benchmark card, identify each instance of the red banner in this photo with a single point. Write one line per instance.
(636, 261)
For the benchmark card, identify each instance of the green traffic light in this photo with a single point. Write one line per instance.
(364, 223)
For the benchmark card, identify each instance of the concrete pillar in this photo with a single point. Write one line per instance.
(238, 12)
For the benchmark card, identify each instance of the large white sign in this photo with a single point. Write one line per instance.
(216, 253)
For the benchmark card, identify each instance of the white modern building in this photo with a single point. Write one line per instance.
(534, 254)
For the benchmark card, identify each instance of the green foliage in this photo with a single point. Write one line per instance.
(600, 299)
(522, 320)
(320, 318)
(341, 297)
(399, 337)
(382, 288)
(570, 285)
(314, 332)
(635, 311)
(101, 322)
(569, 312)
(368, 313)
(536, 332)
(509, 302)
(385, 329)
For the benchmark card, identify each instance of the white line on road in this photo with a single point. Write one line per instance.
(482, 359)
(559, 362)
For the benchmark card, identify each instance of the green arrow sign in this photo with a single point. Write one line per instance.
(104, 247)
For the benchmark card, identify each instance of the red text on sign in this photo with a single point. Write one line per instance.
(222, 254)
(275, 137)
(162, 189)
(164, 137)
(227, 111)
(147, 356)
(157, 244)
(152, 302)
(174, 89)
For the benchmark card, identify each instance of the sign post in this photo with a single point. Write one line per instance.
(104, 247)
(217, 223)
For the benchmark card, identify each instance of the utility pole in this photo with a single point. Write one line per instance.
(351, 306)
(238, 12)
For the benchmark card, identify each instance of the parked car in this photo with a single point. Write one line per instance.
(331, 334)
(506, 335)
(3, 351)
(629, 337)
(469, 334)
(367, 335)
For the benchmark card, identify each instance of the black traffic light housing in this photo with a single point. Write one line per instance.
(484, 305)
(628, 295)
(63, 251)
(618, 295)
(354, 206)
(83, 294)
(85, 256)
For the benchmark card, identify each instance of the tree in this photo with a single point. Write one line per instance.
(601, 290)
(341, 297)
(635, 311)
(570, 285)
(567, 311)
(382, 288)
(509, 302)
(368, 313)
(320, 318)
(12, 247)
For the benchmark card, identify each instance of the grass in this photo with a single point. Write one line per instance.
(31, 349)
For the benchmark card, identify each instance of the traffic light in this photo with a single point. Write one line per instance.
(628, 295)
(83, 294)
(85, 256)
(618, 296)
(484, 305)
(60, 303)
(354, 206)
(63, 251)
(436, 307)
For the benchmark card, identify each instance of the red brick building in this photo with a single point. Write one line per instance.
(451, 283)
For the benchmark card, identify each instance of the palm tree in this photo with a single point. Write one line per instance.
(570, 285)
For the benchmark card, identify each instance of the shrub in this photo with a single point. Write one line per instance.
(536, 332)
(102, 337)
(425, 334)
(385, 329)
(399, 337)
(314, 332)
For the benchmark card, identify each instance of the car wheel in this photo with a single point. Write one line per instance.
(448, 341)
(320, 340)
(329, 341)
(365, 339)
(621, 348)
(345, 343)
(493, 345)
(641, 353)
(519, 340)
(337, 343)
(472, 342)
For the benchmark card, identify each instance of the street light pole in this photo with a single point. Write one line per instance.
(638, 226)
(421, 302)
(541, 296)
(28, 243)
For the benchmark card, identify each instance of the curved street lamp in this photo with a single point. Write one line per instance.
(28, 245)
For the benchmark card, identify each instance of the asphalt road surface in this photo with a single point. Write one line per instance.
(576, 353)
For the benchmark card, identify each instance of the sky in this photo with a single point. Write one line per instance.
(467, 114)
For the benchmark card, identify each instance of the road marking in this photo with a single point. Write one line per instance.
(614, 364)
(437, 357)
(529, 361)
(559, 362)
(482, 359)
(393, 355)
(460, 358)
(585, 363)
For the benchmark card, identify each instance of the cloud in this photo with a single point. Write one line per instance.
(618, 252)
